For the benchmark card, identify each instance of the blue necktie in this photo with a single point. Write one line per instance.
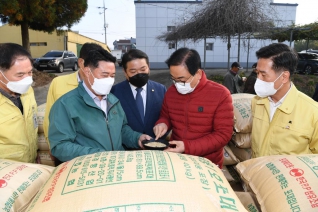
(139, 103)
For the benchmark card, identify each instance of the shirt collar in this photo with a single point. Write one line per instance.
(281, 100)
(134, 87)
(91, 94)
(9, 96)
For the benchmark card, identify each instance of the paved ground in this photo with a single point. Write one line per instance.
(162, 76)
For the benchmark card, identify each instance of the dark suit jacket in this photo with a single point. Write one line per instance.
(154, 99)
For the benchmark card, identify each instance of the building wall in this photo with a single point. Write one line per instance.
(42, 42)
(153, 17)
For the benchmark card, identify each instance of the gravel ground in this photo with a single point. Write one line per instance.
(159, 75)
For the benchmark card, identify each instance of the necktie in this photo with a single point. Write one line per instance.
(139, 103)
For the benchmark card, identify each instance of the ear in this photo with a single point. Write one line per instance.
(286, 76)
(199, 72)
(86, 71)
(80, 62)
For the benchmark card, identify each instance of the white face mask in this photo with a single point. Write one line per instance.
(186, 88)
(21, 86)
(264, 89)
(102, 86)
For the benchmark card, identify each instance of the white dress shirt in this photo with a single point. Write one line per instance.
(273, 106)
(143, 94)
(102, 104)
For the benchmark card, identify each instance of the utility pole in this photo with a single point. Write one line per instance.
(105, 25)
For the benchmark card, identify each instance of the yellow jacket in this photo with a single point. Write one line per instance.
(18, 133)
(59, 86)
(293, 129)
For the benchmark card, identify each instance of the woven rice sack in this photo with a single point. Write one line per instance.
(242, 112)
(283, 182)
(247, 199)
(137, 181)
(240, 154)
(19, 183)
(40, 117)
(228, 157)
(42, 144)
(242, 140)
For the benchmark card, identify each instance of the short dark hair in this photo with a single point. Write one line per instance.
(235, 64)
(95, 56)
(87, 47)
(187, 57)
(9, 52)
(254, 65)
(133, 54)
(283, 57)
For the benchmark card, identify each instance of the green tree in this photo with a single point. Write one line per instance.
(41, 15)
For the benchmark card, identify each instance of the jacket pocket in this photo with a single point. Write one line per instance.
(7, 118)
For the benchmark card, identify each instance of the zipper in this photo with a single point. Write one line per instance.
(187, 117)
(110, 137)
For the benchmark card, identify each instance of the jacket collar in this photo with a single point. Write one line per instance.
(73, 79)
(288, 104)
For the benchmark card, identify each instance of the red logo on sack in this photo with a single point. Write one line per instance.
(296, 172)
(3, 183)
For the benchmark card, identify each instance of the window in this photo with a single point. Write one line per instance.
(209, 47)
(38, 44)
(171, 28)
(172, 45)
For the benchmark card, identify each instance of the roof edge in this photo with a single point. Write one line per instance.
(284, 4)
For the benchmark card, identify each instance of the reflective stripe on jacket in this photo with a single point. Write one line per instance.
(18, 133)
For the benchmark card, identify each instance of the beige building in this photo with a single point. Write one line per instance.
(42, 42)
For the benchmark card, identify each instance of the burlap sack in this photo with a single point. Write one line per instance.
(45, 158)
(242, 140)
(228, 157)
(247, 199)
(19, 183)
(137, 181)
(283, 182)
(40, 117)
(42, 144)
(242, 112)
(240, 154)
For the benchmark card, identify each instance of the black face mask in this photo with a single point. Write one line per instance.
(139, 80)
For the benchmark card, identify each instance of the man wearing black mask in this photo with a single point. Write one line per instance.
(140, 97)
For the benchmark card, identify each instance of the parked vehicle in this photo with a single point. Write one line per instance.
(118, 54)
(56, 60)
(307, 63)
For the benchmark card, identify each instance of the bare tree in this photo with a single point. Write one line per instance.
(224, 19)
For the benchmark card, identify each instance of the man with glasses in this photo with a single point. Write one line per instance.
(141, 117)
(199, 111)
(89, 119)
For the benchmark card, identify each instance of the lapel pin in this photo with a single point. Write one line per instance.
(152, 90)
(287, 127)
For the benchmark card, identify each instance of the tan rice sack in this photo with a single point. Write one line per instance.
(247, 199)
(242, 112)
(19, 183)
(40, 117)
(283, 182)
(42, 143)
(242, 140)
(137, 181)
(241, 154)
(228, 157)
(45, 158)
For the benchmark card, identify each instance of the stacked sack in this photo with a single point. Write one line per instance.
(240, 144)
(282, 182)
(136, 181)
(20, 182)
(44, 149)
(239, 148)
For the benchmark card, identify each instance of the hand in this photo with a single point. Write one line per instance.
(142, 138)
(160, 130)
(179, 147)
(244, 79)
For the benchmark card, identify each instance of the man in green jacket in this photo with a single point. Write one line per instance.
(89, 119)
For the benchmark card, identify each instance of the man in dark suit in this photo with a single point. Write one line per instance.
(140, 97)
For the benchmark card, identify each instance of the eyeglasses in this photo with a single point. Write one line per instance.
(180, 82)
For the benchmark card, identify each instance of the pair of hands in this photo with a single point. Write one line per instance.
(160, 130)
